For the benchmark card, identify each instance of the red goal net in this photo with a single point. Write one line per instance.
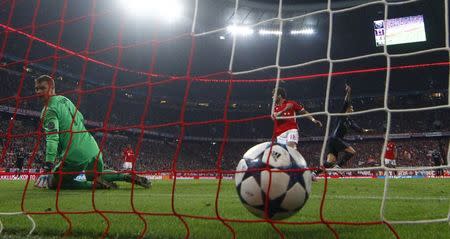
(187, 88)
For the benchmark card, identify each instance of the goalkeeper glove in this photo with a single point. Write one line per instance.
(42, 181)
(48, 166)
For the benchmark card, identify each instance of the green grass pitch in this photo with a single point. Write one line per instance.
(350, 200)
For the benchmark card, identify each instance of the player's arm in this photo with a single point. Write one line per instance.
(353, 125)
(347, 97)
(348, 92)
(51, 127)
(310, 117)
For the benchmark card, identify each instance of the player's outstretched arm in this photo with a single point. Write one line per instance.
(310, 117)
(354, 126)
(348, 92)
(51, 127)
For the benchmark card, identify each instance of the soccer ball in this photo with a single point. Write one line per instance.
(289, 190)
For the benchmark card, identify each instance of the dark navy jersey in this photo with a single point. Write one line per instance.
(344, 124)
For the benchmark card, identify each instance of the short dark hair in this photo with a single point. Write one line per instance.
(45, 78)
(281, 92)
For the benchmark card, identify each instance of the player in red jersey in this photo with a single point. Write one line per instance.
(286, 130)
(390, 155)
(129, 158)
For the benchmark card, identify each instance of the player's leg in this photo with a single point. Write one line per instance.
(68, 180)
(292, 141)
(390, 163)
(112, 176)
(331, 160)
(282, 139)
(331, 156)
(348, 153)
(19, 166)
(94, 166)
(292, 138)
(394, 165)
(334, 147)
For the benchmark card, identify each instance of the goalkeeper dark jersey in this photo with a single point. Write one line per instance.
(57, 117)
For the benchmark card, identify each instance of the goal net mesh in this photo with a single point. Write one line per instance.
(192, 82)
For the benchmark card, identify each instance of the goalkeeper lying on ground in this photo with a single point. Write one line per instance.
(69, 142)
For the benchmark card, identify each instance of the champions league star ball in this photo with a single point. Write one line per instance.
(289, 190)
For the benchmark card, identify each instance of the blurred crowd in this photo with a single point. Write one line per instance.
(201, 146)
(168, 153)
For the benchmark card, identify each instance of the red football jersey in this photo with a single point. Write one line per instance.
(284, 125)
(128, 155)
(390, 147)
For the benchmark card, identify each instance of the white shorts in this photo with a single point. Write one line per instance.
(127, 165)
(390, 162)
(288, 136)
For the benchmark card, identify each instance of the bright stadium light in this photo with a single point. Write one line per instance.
(240, 30)
(305, 31)
(167, 9)
(269, 32)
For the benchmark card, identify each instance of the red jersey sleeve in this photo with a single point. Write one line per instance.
(296, 106)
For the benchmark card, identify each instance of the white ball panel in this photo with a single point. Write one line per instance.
(307, 179)
(298, 157)
(256, 150)
(295, 197)
(279, 157)
(279, 183)
(251, 192)
(242, 166)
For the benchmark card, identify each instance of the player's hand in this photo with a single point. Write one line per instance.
(48, 166)
(42, 181)
(317, 122)
(368, 130)
(348, 89)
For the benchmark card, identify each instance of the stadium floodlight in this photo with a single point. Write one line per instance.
(240, 30)
(305, 31)
(269, 32)
(167, 9)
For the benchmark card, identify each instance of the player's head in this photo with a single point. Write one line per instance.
(44, 86)
(281, 94)
(350, 109)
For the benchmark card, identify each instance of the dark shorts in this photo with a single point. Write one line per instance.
(336, 145)
(19, 163)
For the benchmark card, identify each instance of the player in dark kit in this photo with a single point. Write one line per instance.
(20, 158)
(336, 143)
(438, 155)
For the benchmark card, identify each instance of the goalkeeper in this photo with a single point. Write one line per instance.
(67, 140)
